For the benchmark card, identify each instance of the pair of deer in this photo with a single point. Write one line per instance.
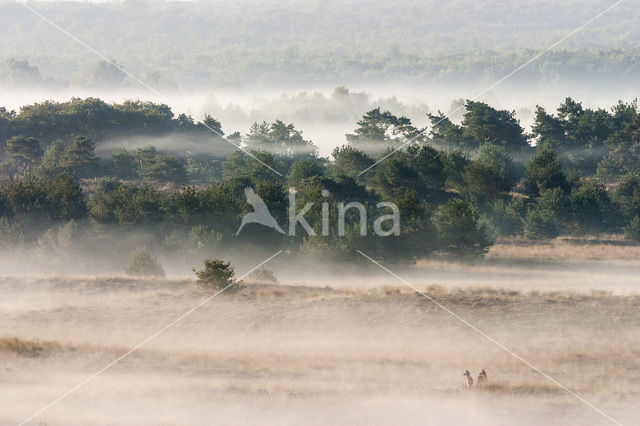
(482, 378)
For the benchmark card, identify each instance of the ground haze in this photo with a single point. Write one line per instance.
(346, 352)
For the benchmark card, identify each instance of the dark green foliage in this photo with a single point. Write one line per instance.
(241, 165)
(484, 124)
(548, 217)
(164, 168)
(80, 156)
(418, 237)
(124, 164)
(591, 208)
(449, 200)
(540, 223)
(209, 123)
(203, 169)
(489, 175)
(428, 164)
(419, 168)
(499, 158)
(143, 263)
(278, 138)
(51, 163)
(395, 172)
(591, 140)
(126, 204)
(68, 197)
(455, 163)
(444, 132)
(378, 130)
(150, 165)
(49, 121)
(22, 152)
(504, 217)
(544, 172)
(460, 230)
(481, 125)
(217, 275)
(60, 199)
(549, 130)
(305, 169)
(223, 204)
(632, 230)
(627, 195)
(350, 161)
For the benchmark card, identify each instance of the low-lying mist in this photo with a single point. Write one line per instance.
(326, 114)
(291, 354)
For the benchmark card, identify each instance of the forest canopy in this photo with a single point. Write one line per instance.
(458, 186)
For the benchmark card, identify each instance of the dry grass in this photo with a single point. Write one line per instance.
(566, 248)
(306, 345)
(521, 388)
(29, 348)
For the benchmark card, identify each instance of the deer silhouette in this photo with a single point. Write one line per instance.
(482, 378)
(469, 378)
(260, 213)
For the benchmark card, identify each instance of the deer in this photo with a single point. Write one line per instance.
(482, 378)
(469, 378)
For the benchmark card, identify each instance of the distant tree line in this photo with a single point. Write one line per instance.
(269, 42)
(458, 186)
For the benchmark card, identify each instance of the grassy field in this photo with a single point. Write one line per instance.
(362, 348)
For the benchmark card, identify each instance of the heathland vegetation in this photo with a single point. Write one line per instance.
(458, 186)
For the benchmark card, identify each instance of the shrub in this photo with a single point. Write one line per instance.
(143, 263)
(263, 274)
(549, 216)
(10, 234)
(218, 275)
(505, 217)
(460, 231)
(632, 230)
(201, 237)
(540, 223)
(23, 152)
(591, 207)
(544, 172)
(627, 195)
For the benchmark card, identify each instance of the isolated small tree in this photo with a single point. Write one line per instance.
(143, 263)
(217, 274)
